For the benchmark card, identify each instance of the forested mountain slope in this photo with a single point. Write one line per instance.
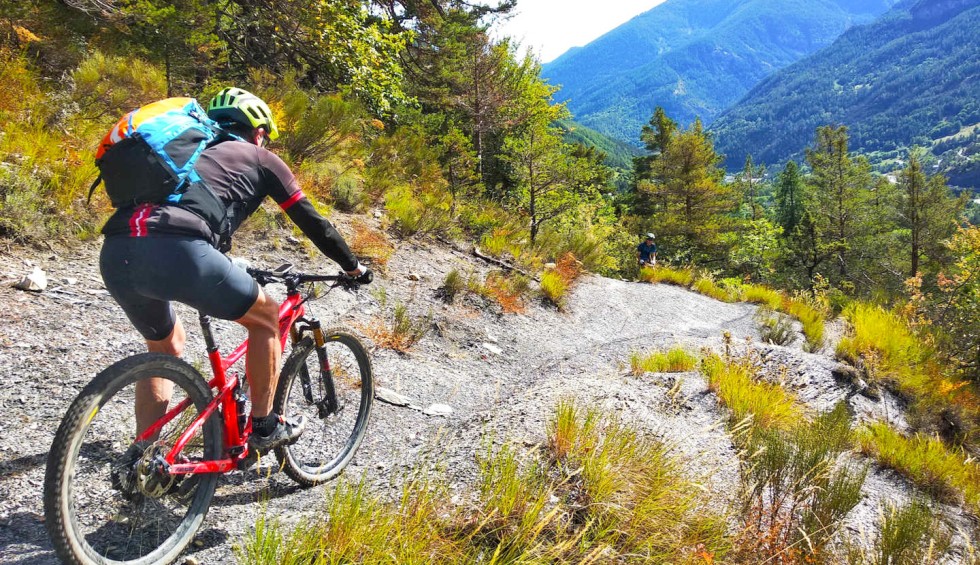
(911, 78)
(694, 57)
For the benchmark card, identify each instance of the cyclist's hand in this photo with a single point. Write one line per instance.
(362, 274)
(366, 277)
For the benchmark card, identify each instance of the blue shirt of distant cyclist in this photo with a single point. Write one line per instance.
(646, 249)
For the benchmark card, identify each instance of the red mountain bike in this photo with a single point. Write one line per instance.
(112, 496)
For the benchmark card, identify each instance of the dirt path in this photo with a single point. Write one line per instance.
(499, 373)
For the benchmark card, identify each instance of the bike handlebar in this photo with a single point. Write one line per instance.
(285, 274)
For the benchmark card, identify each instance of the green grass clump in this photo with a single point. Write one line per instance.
(680, 277)
(813, 320)
(910, 533)
(452, 285)
(926, 461)
(675, 360)
(709, 287)
(758, 294)
(554, 287)
(882, 342)
(738, 387)
(598, 491)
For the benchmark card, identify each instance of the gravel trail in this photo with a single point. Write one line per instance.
(501, 374)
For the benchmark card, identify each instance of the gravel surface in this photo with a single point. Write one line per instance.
(500, 374)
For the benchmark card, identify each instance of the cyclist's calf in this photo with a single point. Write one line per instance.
(262, 357)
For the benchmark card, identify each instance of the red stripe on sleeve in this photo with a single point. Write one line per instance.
(292, 200)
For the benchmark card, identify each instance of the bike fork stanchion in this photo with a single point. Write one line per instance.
(328, 405)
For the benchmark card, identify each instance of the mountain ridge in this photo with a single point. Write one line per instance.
(912, 78)
(693, 57)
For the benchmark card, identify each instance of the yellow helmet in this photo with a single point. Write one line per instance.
(241, 106)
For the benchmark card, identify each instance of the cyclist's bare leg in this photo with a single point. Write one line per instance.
(262, 356)
(153, 395)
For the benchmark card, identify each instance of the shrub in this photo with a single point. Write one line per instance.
(418, 213)
(675, 360)
(796, 496)
(452, 285)
(775, 328)
(926, 461)
(737, 385)
(372, 244)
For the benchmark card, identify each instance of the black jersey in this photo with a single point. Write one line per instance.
(241, 175)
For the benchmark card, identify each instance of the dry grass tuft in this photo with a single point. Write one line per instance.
(371, 243)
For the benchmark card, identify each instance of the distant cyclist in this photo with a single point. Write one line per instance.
(646, 252)
(156, 253)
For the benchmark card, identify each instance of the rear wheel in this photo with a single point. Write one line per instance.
(332, 433)
(105, 500)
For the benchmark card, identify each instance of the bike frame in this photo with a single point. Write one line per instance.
(227, 385)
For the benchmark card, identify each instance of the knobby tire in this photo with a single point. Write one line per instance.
(328, 444)
(87, 449)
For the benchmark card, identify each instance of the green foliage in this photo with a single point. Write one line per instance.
(680, 185)
(956, 305)
(909, 534)
(738, 386)
(946, 474)
(427, 212)
(452, 285)
(796, 494)
(675, 360)
(889, 81)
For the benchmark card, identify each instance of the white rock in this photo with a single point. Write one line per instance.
(438, 410)
(70, 280)
(36, 281)
(491, 338)
(391, 397)
(493, 348)
(292, 239)
(414, 277)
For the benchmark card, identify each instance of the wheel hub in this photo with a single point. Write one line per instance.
(152, 478)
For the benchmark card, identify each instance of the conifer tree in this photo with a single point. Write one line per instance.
(789, 197)
(928, 212)
(840, 188)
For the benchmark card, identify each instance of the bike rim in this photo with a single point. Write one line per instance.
(110, 511)
(328, 442)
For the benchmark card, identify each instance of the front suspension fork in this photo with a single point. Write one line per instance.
(327, 406)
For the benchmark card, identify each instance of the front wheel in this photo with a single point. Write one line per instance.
(334, 430)
(104, 501)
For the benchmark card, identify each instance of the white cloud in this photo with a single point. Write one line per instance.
(551, 27)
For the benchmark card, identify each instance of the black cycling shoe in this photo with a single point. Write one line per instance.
(285, 433)
(122, 473)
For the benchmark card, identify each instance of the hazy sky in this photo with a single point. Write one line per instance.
(551, 27)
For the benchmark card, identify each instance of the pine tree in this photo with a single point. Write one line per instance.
(840, 188)
(928, 212)
(789, 197)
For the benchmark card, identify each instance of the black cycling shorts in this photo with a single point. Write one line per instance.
(143, 274)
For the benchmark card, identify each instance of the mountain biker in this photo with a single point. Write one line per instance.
(646, 252)
(156, 253)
